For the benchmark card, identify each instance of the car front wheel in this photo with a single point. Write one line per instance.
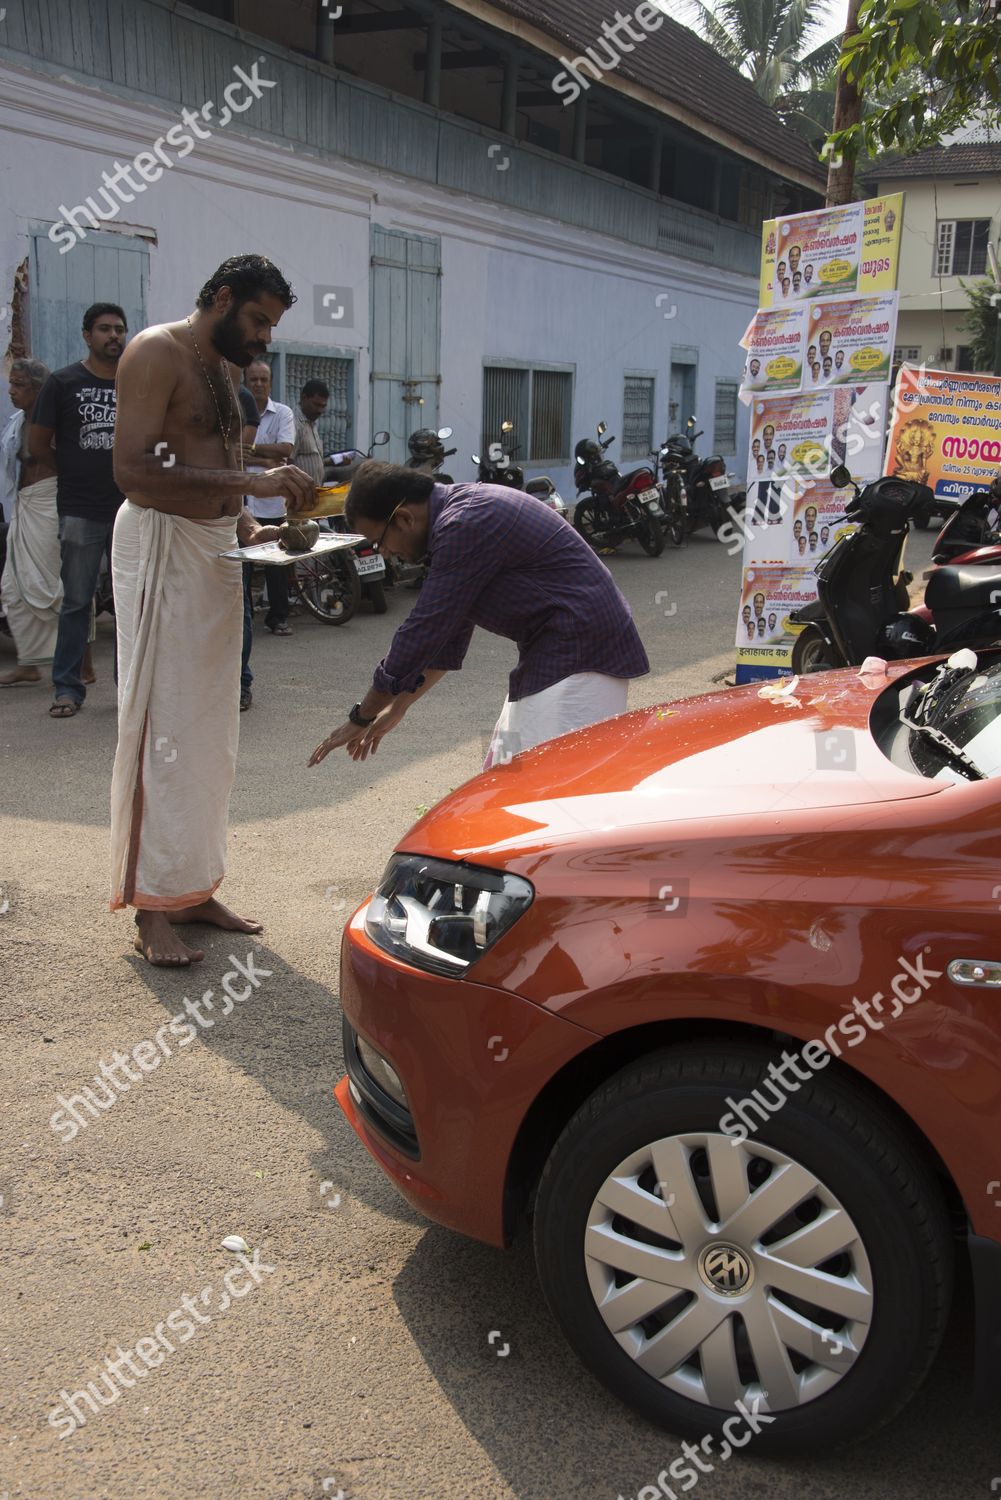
(793, 1285)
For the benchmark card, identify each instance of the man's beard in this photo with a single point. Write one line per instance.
(228, 339)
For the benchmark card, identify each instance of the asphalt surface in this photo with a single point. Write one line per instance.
(360, 1363)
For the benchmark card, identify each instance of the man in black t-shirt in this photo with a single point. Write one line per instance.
(75, 416)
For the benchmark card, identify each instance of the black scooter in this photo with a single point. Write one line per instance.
(863, 608)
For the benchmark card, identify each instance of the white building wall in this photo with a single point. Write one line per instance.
(514, 286)
(932, 307)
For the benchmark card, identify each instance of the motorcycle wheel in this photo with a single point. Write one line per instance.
(809, 651)
(676, 530)
(377, 598)
(586, 521)
(329, 587)
(651, 535)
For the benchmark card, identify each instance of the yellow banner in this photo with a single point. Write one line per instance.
(880, 265)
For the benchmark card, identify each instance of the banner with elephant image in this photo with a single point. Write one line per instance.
(945, 430)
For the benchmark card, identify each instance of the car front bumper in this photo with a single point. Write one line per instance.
(472, 1059)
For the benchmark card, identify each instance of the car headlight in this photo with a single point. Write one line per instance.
(440, 915)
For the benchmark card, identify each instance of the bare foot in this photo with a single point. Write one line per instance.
(20, 675)
(87, 673)
(159, 944)
(216, 915)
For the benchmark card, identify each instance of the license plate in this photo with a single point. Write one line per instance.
(719, 482)
(648, 495)
(373, 564)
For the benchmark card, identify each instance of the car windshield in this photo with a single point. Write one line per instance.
(964, 707)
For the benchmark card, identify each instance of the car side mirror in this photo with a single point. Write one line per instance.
(841, 477)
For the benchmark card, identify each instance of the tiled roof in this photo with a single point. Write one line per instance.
(678, 65)
(939, 161)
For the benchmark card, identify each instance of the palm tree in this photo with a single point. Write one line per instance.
(773, 42)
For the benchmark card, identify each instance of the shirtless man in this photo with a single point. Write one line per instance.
(179, 460)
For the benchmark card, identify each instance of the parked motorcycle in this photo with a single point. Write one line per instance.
(497, 468)
(863, 608)
(427, 452)
(706, 481)
(611, 507)
(331, 586)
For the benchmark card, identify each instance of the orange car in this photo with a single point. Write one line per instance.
(711, 995)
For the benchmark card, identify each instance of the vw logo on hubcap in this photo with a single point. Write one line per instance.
(725, 1269)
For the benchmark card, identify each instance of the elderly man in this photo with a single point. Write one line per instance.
(499, 559)
(30, 589)
(179, 603)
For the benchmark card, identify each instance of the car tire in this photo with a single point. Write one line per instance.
(865, 1189)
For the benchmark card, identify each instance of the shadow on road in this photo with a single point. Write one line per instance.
(552, 1430)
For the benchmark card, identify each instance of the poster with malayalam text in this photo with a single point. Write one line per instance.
(945, 430)
(790, 435)
(769, 595)
(817, 521)
(850, 340)
(775, 345)
(881, 231)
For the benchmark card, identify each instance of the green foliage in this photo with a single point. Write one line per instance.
(938, 64)
(771, 41)
(981, 322)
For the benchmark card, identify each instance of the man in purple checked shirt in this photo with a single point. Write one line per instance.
(500, 559)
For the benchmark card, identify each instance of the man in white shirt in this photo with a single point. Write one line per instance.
(274, 444)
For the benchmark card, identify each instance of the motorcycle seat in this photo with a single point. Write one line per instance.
(541, 486)
(964, 588)
(632, 474)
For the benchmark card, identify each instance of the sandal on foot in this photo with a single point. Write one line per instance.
(64, 708)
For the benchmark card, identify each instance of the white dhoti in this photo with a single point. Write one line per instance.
(31, 588)
(179, 612)
(585, 698)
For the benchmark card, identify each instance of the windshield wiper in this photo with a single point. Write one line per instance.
(953, 751)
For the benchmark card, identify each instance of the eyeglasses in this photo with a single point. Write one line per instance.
(377, 546)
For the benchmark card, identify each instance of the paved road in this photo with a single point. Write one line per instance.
(361, 1355)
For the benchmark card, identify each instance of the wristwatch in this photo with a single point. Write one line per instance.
(356, 717)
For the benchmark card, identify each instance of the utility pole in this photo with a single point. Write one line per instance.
(847, 111)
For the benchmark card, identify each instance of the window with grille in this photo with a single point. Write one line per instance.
(637, 417)
(907, 354)
(289, 372)
(538, 401)
(961, 247)
(725, 417)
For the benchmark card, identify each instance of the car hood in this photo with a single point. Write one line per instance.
(731, 754)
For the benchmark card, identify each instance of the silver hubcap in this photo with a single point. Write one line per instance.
(728, 1272)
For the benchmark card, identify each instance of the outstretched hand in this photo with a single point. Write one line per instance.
(360, 742)
(343, 736)
(373, 735)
